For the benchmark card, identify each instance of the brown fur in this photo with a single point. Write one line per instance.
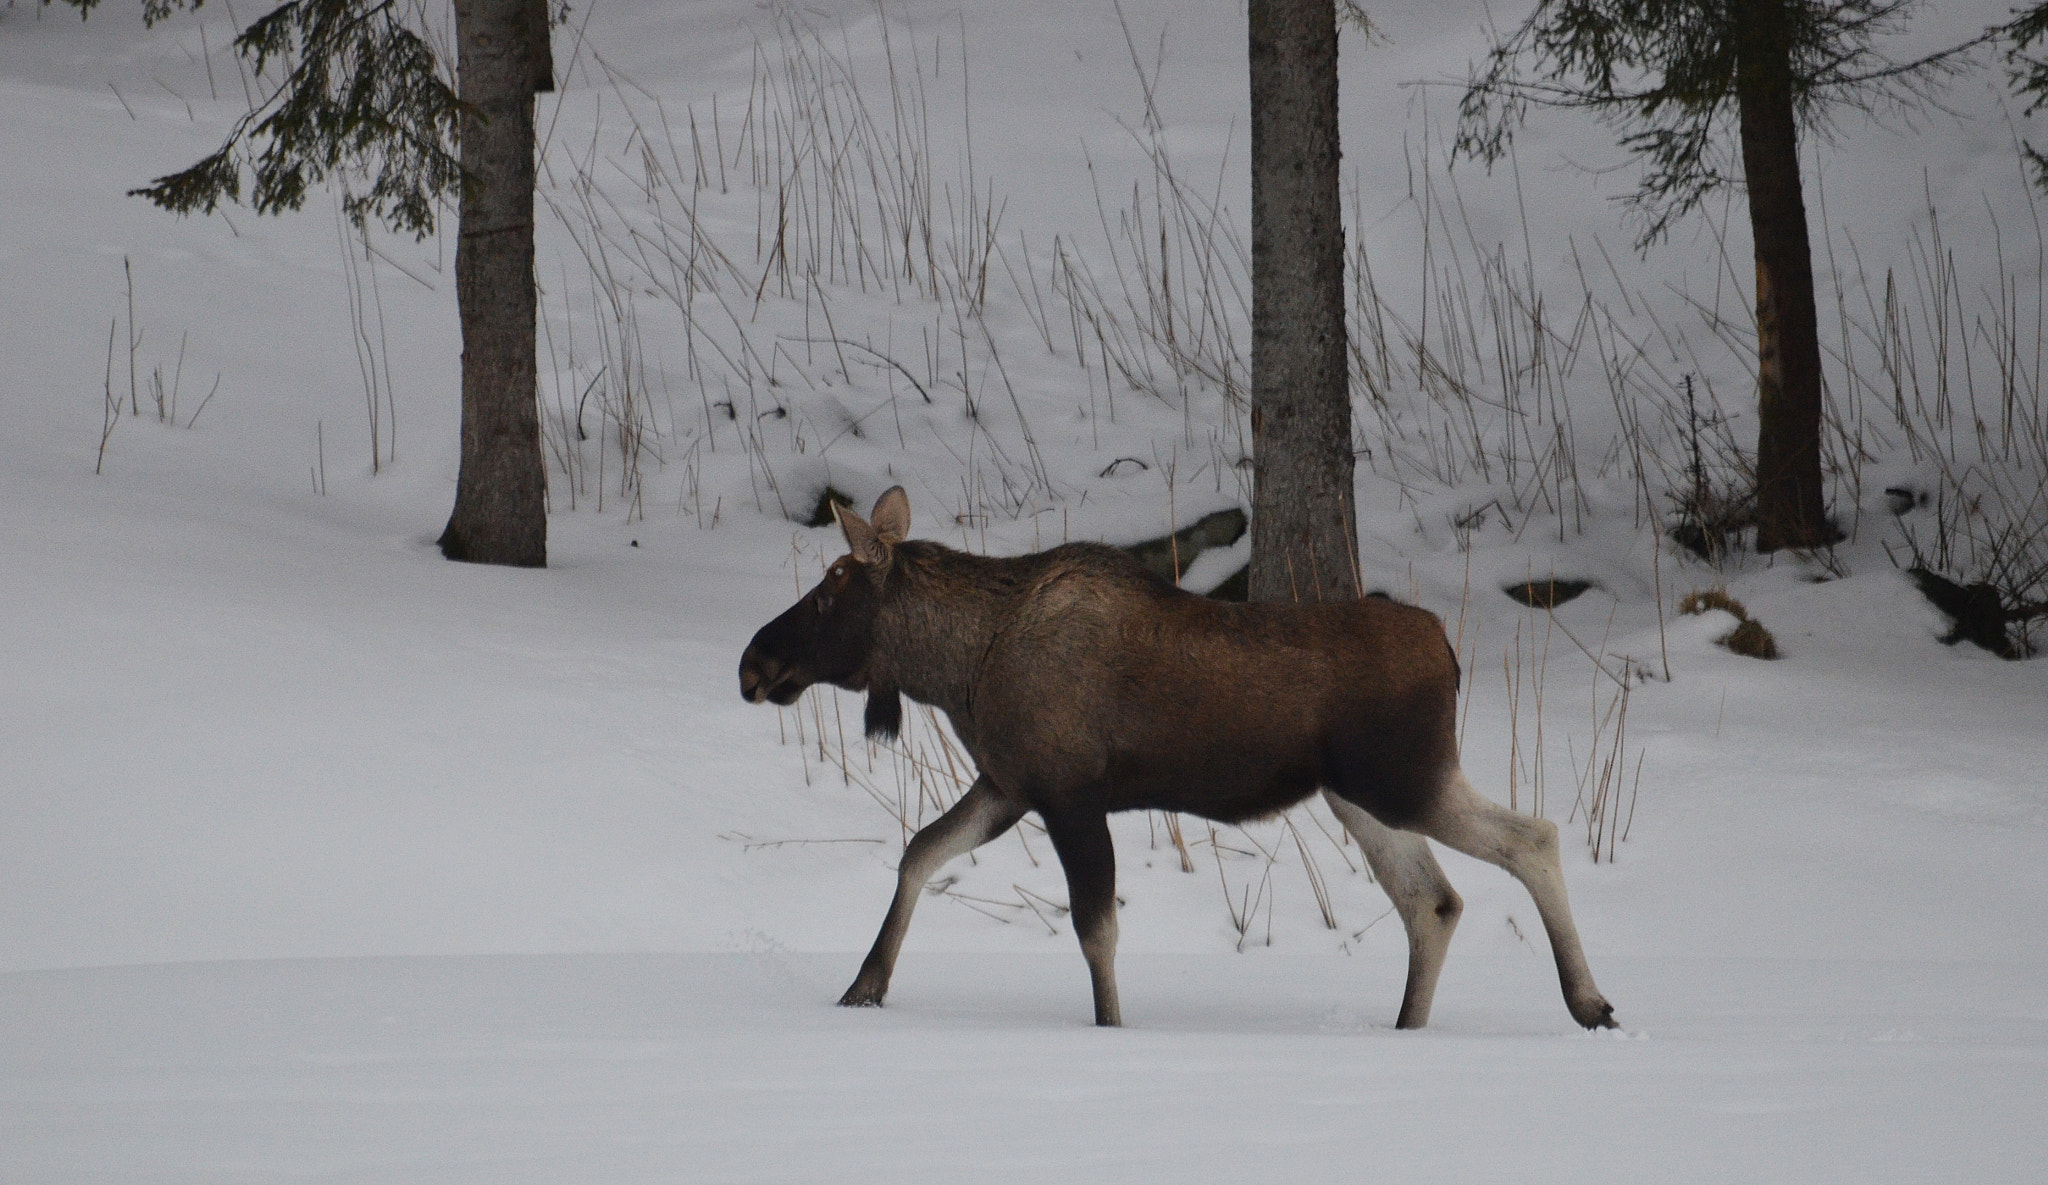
(1082, 681)
(1082, 684)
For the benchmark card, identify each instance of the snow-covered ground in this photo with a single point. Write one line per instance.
(323, 858)
(707, 1067)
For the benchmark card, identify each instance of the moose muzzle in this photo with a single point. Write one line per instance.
(764, 678)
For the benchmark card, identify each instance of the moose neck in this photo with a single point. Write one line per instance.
(940, 612)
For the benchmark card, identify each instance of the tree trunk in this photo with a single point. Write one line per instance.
(1304, 529)
(500, 514)
(1789, 507)
(538, 46)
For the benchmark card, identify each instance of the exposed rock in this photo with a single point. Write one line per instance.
(1220, 529)
(1547, 594)
(821, 511)
(1975, 612)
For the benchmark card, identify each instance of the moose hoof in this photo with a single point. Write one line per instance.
(862, 996)
(1595, 1013)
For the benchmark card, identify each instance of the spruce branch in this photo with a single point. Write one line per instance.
(1663, 74)
(361, 95)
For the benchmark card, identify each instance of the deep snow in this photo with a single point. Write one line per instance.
(324, 858)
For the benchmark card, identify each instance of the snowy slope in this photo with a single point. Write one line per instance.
(322, 857)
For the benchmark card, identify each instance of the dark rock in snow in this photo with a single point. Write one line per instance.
(1547, 594)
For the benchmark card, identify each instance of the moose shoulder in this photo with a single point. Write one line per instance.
(1081, 685)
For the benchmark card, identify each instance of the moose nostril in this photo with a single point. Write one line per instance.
(758, 672)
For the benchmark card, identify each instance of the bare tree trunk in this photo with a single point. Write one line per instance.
(1303, 521)
(539, 50)
(1790, 511)
(500, 514)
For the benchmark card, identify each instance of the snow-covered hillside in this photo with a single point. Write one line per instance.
(321, 857)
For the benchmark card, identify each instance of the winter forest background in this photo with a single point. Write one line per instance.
(324, 857)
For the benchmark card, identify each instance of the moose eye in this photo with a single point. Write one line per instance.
(824, 603)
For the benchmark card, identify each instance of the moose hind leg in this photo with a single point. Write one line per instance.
(981, 815)
(1527, 848)
(1089, 860)
(1405, 867)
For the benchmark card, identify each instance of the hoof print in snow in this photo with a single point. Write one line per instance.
(1547, 594)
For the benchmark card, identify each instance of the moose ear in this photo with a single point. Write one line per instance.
(892, 516)
(861, 539)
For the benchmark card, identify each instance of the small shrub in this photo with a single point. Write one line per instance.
(1748, 638)
(1711, 522)
(1700, 600)
(1751, 640)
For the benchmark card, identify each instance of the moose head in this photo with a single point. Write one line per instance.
(828, 636)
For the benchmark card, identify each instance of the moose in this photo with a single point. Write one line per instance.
(1082, 684)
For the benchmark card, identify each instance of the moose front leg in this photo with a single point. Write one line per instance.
(1089, 860)
(982, 814)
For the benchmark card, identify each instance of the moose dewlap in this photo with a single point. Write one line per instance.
(1082, 684)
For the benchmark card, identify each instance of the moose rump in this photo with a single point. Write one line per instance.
(1081, 685)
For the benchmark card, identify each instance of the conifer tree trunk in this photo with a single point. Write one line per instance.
(500, 514)
(1789, 506)
(1303, 520)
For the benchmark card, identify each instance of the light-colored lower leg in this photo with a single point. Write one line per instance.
(1405, 867)
(1099, 948)
(1527, 848)
(981, 815)
(1088, 857)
